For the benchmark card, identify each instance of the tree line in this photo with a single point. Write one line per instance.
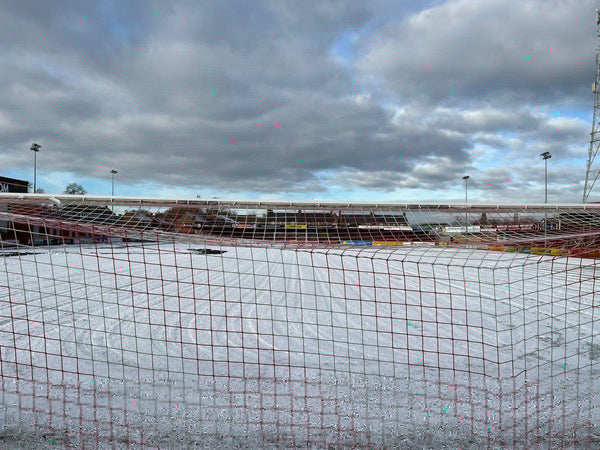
(71, 189)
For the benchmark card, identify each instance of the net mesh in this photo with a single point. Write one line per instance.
(179, 323)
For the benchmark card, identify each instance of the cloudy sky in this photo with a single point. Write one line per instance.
(306, 100)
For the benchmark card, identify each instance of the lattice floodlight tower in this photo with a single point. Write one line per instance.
(166, 323)
(593, 166)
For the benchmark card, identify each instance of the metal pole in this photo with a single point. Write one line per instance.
(113, 172)
(546, 202)
(35, 148)
(546, 180)
(546, 156)
(466, 178)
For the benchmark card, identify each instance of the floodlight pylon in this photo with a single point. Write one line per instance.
(593, 167)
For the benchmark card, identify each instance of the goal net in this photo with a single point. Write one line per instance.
(129, 322)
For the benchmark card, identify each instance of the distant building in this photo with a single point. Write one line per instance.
(12, 185)
(7, 186)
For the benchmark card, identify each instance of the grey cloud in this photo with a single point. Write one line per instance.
(268, 118)
(244, 152)
(247, 96)
(527, 185)
(432, 174)
(566, 131)
(323, 17)
(494, 50)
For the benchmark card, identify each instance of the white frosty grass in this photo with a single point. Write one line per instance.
(157, 345)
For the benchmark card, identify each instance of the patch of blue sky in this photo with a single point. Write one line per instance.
(571, 112)
(344, 48)
(119, 31)
(54, 182)
(19, 174)
(116, 22)
(489, 156)
(50, 182)
(160, 190)
(398, 194)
